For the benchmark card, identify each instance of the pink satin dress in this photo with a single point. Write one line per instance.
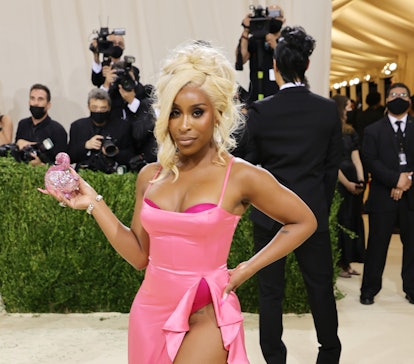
(186, 248)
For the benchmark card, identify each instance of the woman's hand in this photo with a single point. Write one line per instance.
(81, 199)
(238, 275)
(355, 188)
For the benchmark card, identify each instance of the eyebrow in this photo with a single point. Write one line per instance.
(194, 105)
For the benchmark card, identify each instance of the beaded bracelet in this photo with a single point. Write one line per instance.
(91, 205)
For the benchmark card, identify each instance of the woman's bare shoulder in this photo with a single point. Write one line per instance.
(148, 173)
(246, 173)
(242, 166)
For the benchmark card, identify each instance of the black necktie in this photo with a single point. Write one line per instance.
(400, 135)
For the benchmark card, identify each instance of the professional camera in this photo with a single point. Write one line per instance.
(104, 45)
(8, 149)
(124, 77)
(25, 155)
(260, 20)
(101, 160)
(109, 147)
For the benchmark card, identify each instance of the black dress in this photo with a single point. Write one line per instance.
(351, 246)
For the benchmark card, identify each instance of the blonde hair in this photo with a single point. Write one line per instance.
(203, 66)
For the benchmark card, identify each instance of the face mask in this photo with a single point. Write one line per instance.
(398, 106)
(37, 112)
(100, 117)
(275, 25)
(116, 52)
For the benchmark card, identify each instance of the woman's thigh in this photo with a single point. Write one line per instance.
(203, 343)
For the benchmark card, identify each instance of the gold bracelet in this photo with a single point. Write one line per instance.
(91, 205)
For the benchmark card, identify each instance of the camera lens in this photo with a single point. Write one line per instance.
(109, 147)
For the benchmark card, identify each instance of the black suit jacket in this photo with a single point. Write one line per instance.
(296, 135)
(380, 158)
(83, 129)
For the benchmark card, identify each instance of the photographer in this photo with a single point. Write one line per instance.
(261, 29)
(39, 138)
(125, 101)
(100, 142)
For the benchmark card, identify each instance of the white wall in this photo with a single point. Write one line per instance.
(47, 41)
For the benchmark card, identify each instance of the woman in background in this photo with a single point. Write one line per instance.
(351, 237)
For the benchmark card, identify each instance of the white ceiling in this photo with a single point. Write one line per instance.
(367, 34)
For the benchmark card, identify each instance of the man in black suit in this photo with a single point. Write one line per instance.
(388, 155)
(296, 135)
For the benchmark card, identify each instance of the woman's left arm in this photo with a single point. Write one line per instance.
(263, 191)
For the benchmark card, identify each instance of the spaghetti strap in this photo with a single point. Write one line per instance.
(150, 184)
(226, 180)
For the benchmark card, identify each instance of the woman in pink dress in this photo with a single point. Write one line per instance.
(187, 208)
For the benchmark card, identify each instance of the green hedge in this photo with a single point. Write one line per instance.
(58, 260)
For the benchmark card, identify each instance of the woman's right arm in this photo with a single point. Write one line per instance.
(131, 243)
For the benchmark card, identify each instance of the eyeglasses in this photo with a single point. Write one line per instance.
(396, 94)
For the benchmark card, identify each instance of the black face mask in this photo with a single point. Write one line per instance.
(275, 25)
(116, 52)
(398, 106)
(100, 117)
(37, 112)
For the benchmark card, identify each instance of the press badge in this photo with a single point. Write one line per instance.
(402, 158)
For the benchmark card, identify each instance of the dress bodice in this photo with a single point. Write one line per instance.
(193, 240)
(189, 241)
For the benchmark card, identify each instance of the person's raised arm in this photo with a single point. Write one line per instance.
(244, 40)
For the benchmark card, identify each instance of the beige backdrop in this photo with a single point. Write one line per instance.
(47, 41)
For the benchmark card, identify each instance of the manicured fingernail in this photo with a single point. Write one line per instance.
(223, 299)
